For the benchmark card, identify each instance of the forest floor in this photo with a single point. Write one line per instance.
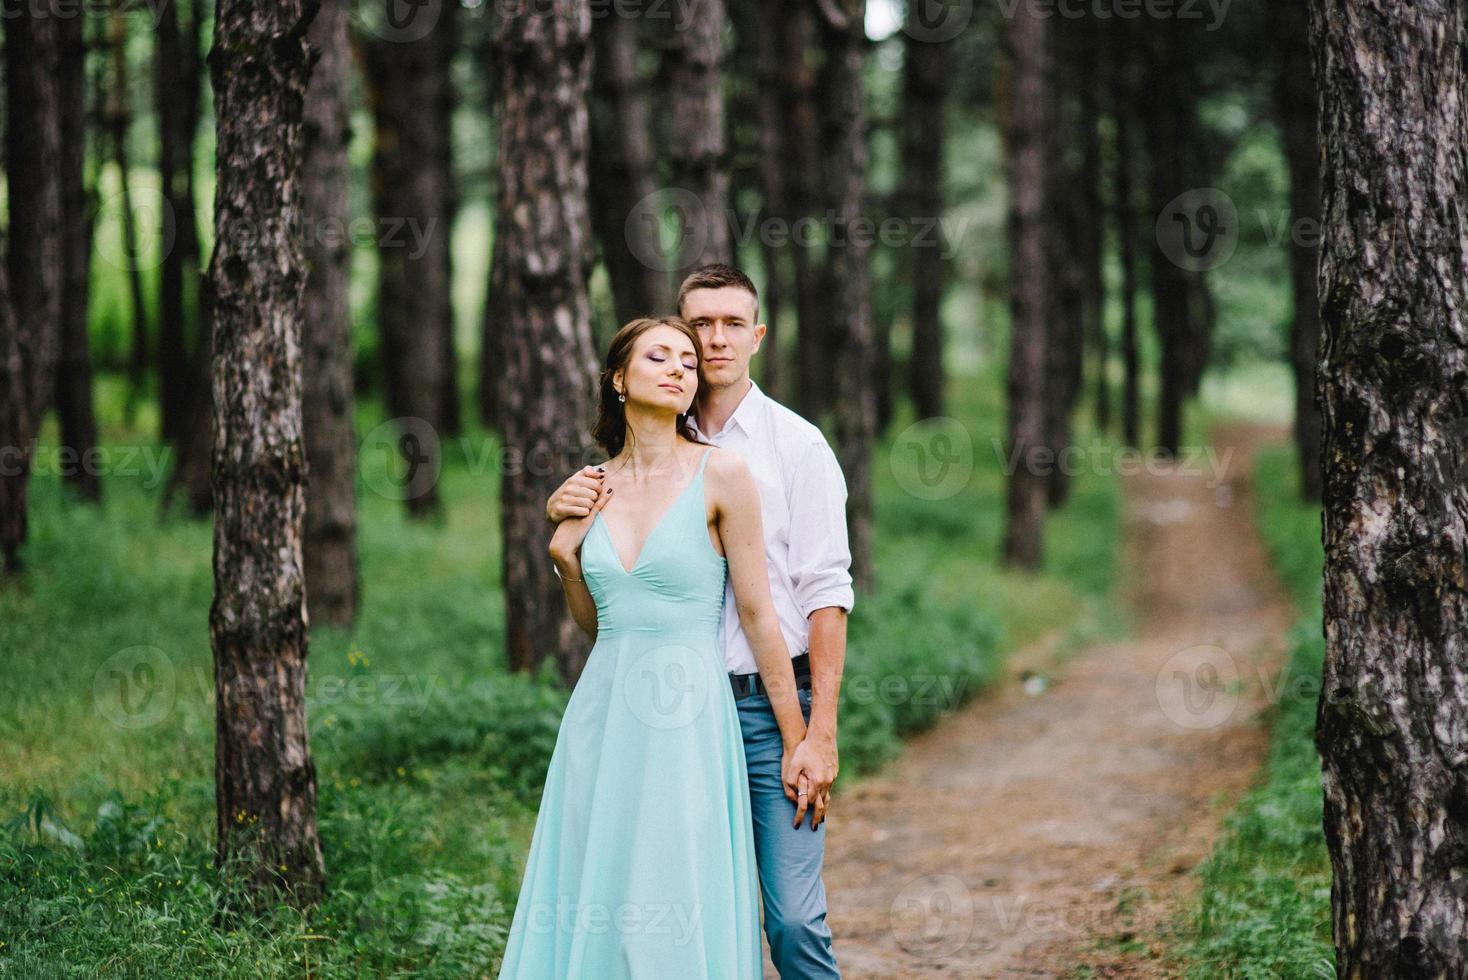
(1048, 829)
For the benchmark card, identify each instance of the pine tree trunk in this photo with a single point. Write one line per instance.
(265, 782)
(1066, 253)
(850, 263)
(542, 255)
(926, 82)
(773, 181)
(695, 138)
(328, 397)
(1094, 68)
(76, 420)
(1166, 131)
(406, 82)
(623, 173)
(116, 121)
(33, 169)
(1295, 95)
(176, 102)
(1027, 125)
(1124, 164)
(804, 155)
(15, 453)
(1392, 727)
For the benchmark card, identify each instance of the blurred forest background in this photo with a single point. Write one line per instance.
(973, 229)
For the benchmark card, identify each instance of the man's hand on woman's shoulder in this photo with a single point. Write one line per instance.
(577, 496)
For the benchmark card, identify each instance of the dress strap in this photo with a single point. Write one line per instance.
(703, 462)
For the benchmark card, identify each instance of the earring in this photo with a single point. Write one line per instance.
(621, 398)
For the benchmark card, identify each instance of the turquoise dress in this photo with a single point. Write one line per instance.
(642, 863)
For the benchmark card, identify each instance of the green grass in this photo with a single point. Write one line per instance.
(429, 754)
(1264, 908)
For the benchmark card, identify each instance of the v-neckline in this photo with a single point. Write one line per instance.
(611, 542)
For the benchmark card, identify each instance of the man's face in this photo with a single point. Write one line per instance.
(724, 319)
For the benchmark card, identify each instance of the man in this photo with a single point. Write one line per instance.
(803, 504)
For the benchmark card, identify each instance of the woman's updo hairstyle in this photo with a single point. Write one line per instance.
(610, 431)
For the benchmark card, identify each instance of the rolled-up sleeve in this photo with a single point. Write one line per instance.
(820, 555)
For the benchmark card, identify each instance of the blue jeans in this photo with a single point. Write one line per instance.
(789, 858)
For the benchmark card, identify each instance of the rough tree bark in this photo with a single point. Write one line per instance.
(695, 138)
(33, 170)
(333, 587)
(1392, 726)
(925, 82)
(850, 263)
(1025, 107)
(77, 422)
(1295, 97)
(542, 255)
(623, 172)
(265, 783)
(406, 81)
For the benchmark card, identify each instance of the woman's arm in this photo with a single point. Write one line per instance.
(741, 531)
(578, 599)
(565, 551)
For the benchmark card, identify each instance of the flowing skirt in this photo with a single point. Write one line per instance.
(642, 863)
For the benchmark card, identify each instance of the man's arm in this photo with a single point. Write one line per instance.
(577, 496)
(820, 570)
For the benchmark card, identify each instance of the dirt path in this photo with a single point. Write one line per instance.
(1034, 834)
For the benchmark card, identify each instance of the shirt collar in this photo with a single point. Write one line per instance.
(746, 414)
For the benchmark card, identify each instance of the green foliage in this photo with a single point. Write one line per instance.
(1264, 908)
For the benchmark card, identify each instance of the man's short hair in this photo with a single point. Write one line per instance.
(716, 276)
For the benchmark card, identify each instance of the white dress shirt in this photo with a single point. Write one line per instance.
(803, 505)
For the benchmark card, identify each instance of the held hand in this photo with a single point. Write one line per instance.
(815, 759)
(575, 497)
(569, 533)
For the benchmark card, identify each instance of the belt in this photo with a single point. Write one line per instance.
(746, 684)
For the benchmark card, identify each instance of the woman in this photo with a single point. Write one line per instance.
(642, 863)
